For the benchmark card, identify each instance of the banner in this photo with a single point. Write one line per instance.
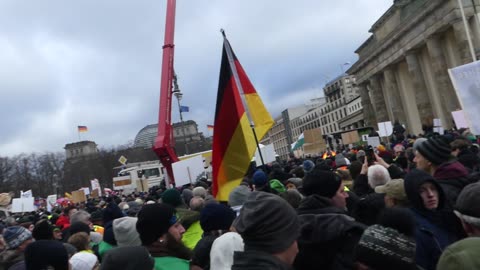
(466, 81)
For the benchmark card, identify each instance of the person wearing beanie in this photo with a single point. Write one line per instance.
(161, 233)
(323, 211)
(17, 239)
(43, 254)
(215, 220)
(269, 227)
(238, 196)
(308, 166)
(259, 179)
(461, 255)
(341, 163)
(467, 209)
(125, 232)
(385, 248)
(121, 258)
(436, 225)
(434, 157)
(186, 216)
(43, 230)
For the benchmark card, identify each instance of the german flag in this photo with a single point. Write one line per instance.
(82, 129)
(233, 140)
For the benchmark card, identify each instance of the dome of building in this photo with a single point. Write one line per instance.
(146, 136)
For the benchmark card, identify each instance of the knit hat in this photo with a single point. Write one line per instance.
(221, 254)
(260, 178)
(154, 220)
(308, 166)
(216, 217)
(394, 189)
(385, 248)
(121, 258)
(296, 181)
(323, 183)
(461, 255)
(199, 191)
(340, 160)
(238, 195)
(277, 186)
(43, 230)
(83, 261)
(172, 197)
(44, 253)
(468, 202)
(436, 150)
(79, 227)
(15, 236)
(267, 223)
(125, 231)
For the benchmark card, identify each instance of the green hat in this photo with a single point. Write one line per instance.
(461, 255)
(172, 197)
(277, 186)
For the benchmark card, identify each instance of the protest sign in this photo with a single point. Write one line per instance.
(437, 122)
(78, 196)
(187, 171)
(96, 185)
(26, 194)
(51, 201)
(94, 194)
(373, 141)
(86, 190)
(268, 154)
(385, 129)
(20, 205)
(460, 120)
(466, 81)
(350, 137)
(365, 137)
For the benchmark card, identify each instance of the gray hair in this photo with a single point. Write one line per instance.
(80, 216)
(377, 176)
(200, 191)
(197, 203)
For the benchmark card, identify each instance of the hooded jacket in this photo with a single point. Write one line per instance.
(257, 260)
(435, 228)
(452, 177)
(326, 230)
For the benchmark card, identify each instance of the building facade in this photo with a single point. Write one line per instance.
(278, 137)
(80, 149)
(402, 71)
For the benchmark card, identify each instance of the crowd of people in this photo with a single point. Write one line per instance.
(411, 204)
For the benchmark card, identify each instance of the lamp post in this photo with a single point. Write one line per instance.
(176, 92)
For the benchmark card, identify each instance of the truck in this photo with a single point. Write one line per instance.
(141, 176)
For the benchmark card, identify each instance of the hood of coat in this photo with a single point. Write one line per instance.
(413, 181)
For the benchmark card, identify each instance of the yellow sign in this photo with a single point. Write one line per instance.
(122, 160)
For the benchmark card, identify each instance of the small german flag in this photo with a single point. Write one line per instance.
(210, 127)
(82, 129)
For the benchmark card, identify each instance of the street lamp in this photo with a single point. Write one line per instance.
(176, 92)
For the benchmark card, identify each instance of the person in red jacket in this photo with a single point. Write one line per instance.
(63, 221)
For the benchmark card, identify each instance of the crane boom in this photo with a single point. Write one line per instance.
(164, 140)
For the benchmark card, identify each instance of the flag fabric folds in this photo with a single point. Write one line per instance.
(299, 143)
(82, 129)
(210, 127)
(233, 140)
(184, 109)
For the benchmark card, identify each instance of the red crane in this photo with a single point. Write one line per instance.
(164, 140)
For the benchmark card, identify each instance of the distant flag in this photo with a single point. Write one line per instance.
(184, 109)
(82, 129)
(210, 127)
(299, 143)
(233, 140)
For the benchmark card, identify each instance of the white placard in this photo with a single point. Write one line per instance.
(466, 81)
(268, 154)
(26, 194)
(437, 122)
(460, 119)
(86, 190)
(20, 205)
(439, 130)
(96, 185)
(385, 129)
(374, 141)
(51, 201)
(365, 137)
(187, 171)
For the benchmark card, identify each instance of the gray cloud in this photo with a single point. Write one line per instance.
(98, 63)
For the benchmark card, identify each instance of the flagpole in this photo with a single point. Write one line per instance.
(240, 88)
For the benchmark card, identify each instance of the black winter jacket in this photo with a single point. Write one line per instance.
(257, 260)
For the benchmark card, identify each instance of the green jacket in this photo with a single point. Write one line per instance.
(171, 263)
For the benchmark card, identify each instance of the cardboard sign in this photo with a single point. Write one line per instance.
(187, 171)
(86, 190)
(20, 205)
(466, 81)
(51, 201)
(373, 141)
(78, 196)
(350, 137)
(94, 194)
(96, 185)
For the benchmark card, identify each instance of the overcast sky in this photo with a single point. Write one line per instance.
(98, 63)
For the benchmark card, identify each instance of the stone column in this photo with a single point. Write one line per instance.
(462, 41)
(378, 99)
(420, 88)
(444, 89)
(368, 113)
(393, 95)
